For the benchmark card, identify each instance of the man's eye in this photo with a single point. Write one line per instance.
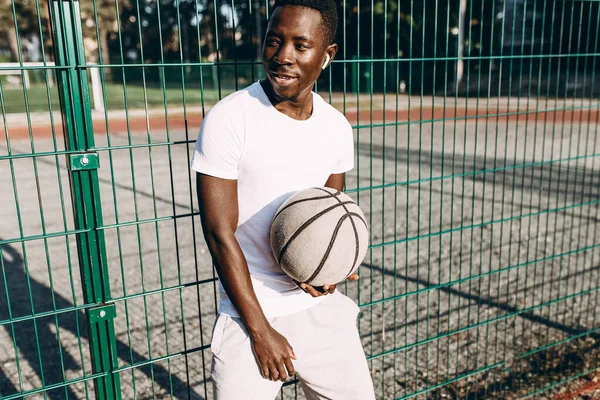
(272, 42)
(302, 47)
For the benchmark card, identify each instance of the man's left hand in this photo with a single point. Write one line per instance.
(325, 289)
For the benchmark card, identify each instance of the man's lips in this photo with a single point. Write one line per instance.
(283, 79)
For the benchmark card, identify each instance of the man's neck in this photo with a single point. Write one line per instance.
(300, 108)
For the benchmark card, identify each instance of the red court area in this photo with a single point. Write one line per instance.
(361, 118)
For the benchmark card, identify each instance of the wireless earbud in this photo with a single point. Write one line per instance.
(327, 58)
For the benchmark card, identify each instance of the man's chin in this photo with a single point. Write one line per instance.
(281, 94)
(284, 95)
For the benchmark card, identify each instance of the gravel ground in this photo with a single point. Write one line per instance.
(485, 249)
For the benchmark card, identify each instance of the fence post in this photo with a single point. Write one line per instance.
(83, 162)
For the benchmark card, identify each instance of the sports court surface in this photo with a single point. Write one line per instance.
(484, 253)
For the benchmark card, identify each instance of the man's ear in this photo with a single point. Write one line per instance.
(331, 51)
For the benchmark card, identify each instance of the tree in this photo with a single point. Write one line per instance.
(33, 19)
(99, 20)
(25, 15)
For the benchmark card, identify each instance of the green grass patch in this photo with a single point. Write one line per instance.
(117, 97)
(16, 99)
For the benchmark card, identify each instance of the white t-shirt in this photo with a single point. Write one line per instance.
(271, 156)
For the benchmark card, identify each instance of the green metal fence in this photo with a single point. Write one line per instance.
(476, 127)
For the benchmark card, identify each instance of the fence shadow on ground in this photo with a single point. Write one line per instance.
(576, 182)
(489, 302)
(39, 346)
(536, 370)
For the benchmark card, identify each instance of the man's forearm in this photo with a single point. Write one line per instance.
(233, 272)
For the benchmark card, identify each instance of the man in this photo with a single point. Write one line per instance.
(255, 148)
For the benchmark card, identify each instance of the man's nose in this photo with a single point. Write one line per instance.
(284, 55)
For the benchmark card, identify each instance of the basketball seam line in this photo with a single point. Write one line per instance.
(301, 201)
(331, 242)
(355, 238)
(355, 234)
(305, 225)
(329, 247)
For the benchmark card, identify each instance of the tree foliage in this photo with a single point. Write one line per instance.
(193, 31)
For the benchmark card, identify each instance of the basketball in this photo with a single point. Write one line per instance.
(319, 236)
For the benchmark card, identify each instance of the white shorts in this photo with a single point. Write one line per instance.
(331, 363)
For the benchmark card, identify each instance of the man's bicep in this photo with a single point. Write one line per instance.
(219, 145)
(336, 181)
(218, 203)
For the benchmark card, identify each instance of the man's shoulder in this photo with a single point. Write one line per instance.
(240, 101)
(332, 114)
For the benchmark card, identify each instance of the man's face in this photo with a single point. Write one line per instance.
(294, 50)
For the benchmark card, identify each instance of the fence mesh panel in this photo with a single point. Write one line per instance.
(476, 131)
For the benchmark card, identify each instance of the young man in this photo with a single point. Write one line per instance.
(255, 148)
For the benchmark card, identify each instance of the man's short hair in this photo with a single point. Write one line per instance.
(327, 8)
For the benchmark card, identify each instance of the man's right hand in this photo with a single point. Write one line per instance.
(273, 354)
